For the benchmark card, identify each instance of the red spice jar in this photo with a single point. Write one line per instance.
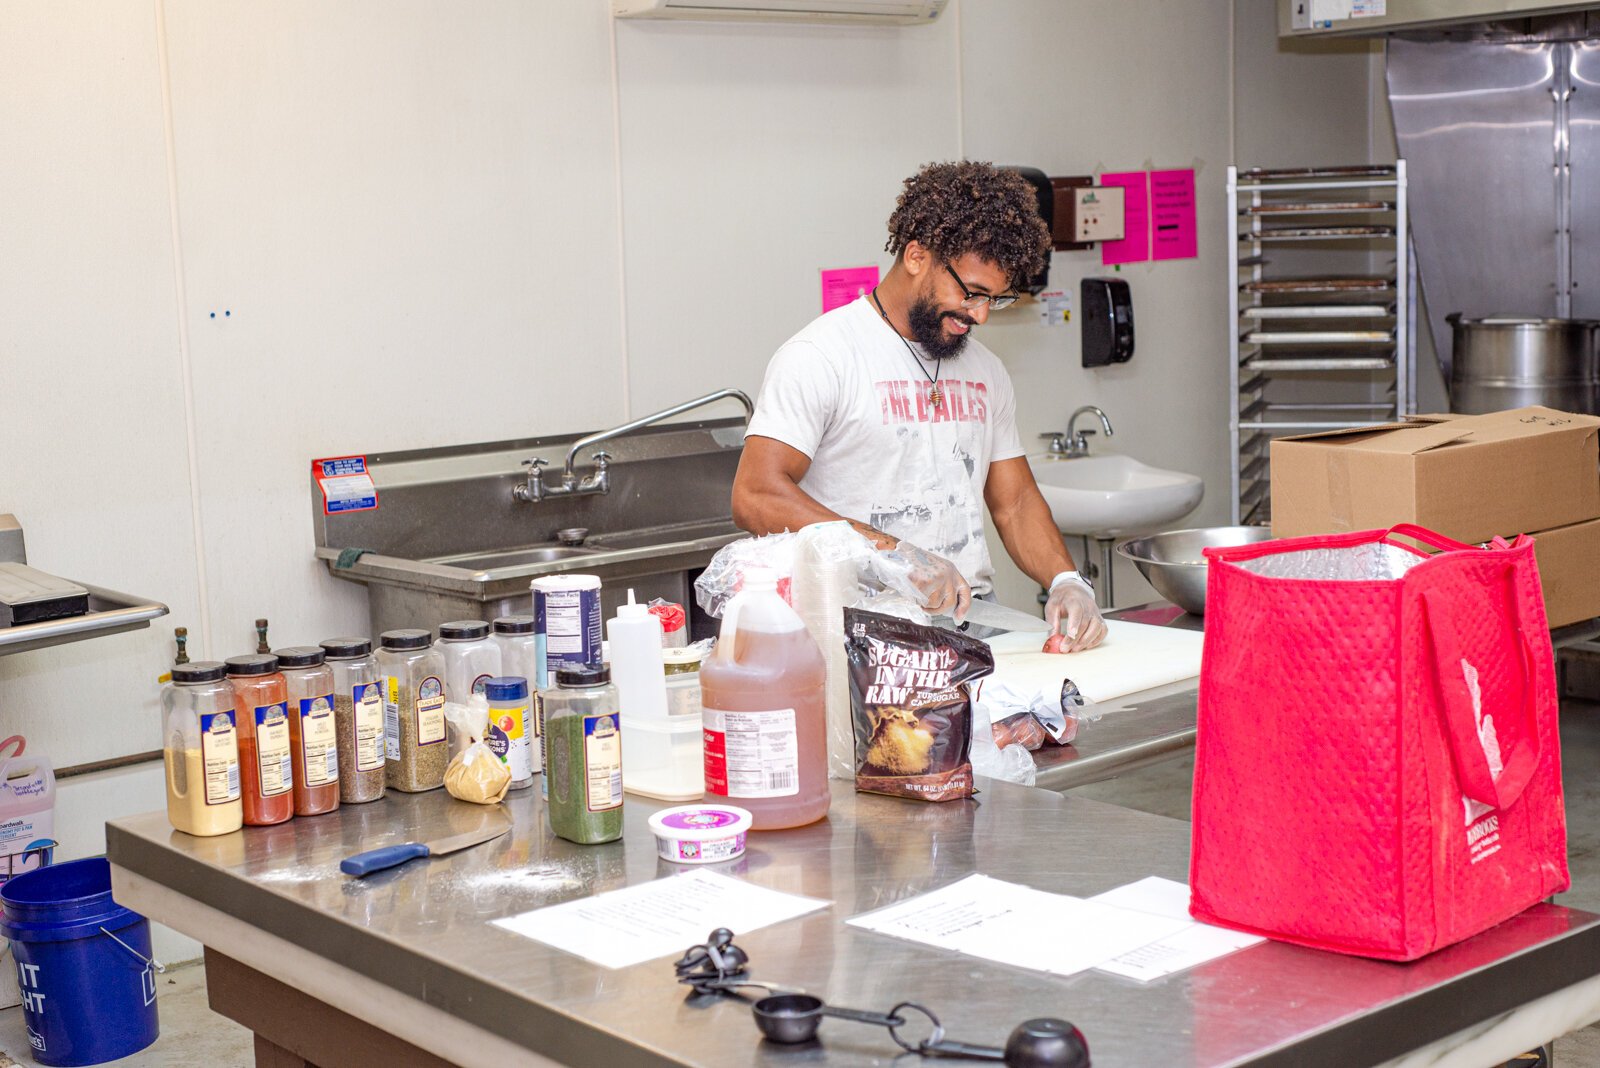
(313, 732)
(266, 765)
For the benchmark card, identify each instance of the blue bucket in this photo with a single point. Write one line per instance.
(83, 964)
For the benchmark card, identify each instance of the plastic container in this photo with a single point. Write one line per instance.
(470, 658)
(83, 964)
(27, 808)
(763, 690)
(510, 727)
(200, 748)
(566, 612)
(518, 640)
(415, 754)
(682, 669)
(358, 718)
(266, 762)
(583, 745)
(674, 623)
(313, 728)
(700, 834)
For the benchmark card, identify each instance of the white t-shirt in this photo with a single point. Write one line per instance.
(846, 392)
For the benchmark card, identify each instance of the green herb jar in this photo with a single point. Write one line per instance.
(583, 747)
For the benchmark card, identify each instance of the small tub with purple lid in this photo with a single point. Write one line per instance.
(700, 833)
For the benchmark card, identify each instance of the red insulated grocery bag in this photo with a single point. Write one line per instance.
(1378, 769)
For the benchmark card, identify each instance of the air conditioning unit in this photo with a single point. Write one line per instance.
(888, 12)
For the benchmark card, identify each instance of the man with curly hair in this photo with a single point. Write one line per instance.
(887, 413)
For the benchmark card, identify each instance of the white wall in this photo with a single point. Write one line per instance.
(422, 223)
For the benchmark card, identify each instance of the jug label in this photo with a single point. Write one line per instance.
(752, 754)
(320, 740)
(219, 757)
(368, 700)
(391, 717)
(272, 749)
(430, 711)
(602, 762)
(508, 739)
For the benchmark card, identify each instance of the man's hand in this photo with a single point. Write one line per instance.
(944, 592)
(1072, 610)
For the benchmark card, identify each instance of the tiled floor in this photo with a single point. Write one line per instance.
(192, 1036)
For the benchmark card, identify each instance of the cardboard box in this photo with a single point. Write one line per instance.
(1569, 571)
(1468, 477)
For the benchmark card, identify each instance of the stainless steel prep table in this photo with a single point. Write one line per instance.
(1137, 730)
(1159, 724)
(411, 950)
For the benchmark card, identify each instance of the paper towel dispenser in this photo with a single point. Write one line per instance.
(1107, 316)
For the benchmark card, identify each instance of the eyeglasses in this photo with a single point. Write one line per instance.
(978, 300)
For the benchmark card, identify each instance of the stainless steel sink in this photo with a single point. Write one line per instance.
(450, 541)
(491, 561)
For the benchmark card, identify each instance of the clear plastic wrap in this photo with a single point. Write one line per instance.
(1011, 763)
(831, 549)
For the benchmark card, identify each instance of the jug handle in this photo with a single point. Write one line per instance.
(22, 746)
(729, 635)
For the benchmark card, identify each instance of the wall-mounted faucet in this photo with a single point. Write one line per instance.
(1075, 443)
(599, 481)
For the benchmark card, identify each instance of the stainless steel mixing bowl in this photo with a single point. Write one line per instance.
(1173, 564)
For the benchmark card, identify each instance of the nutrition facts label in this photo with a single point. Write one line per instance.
(752, 754)
(219, 755)
(368, 701)
(272, 749)
(602, 762)
(320, 740)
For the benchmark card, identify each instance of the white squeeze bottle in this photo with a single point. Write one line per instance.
(763, 689)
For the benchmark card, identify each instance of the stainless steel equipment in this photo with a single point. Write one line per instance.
(1174, 564)
(1502, 133)
(415, 951)
(450, 541)
(1507, 362)
(534, 490)
(1321, 303)
(109, 612)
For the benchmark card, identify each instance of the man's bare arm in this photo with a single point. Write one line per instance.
(767, 497)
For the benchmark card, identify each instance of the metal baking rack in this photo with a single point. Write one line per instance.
(109, 612)
(1323, 350)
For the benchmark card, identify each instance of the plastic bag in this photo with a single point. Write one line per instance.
(833, 548)
(1011, 763)
(476, 774)
(465, 724)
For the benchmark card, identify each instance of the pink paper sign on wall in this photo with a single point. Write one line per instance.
(842, 286)
(1135, 246)
(1172, 215)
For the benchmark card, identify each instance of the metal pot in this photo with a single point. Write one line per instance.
(1505, 362)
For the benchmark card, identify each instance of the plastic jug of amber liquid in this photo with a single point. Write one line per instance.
(763, 696)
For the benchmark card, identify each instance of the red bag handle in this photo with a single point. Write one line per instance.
(1521, 756)
(1427, 537)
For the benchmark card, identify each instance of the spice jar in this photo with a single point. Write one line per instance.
(583, 744)
(358, 718)
(470, 658)
(413, 710)
(200, 747)
(510, 727)
(313, 733)
(266, 767)
(519, 659)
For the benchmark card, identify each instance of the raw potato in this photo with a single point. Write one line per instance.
(1056, 643)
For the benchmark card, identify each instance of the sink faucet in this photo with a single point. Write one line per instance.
(1077, 441)
(534, 489)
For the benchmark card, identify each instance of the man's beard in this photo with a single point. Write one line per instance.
(927, 329)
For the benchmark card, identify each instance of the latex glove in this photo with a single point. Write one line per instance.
(1072, 611)
(942, 589)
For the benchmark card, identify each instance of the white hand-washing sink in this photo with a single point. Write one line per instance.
(1110, 495)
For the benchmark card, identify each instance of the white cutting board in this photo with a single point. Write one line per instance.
(1134, 657)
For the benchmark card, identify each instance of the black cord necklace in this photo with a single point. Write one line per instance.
(935, 395)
